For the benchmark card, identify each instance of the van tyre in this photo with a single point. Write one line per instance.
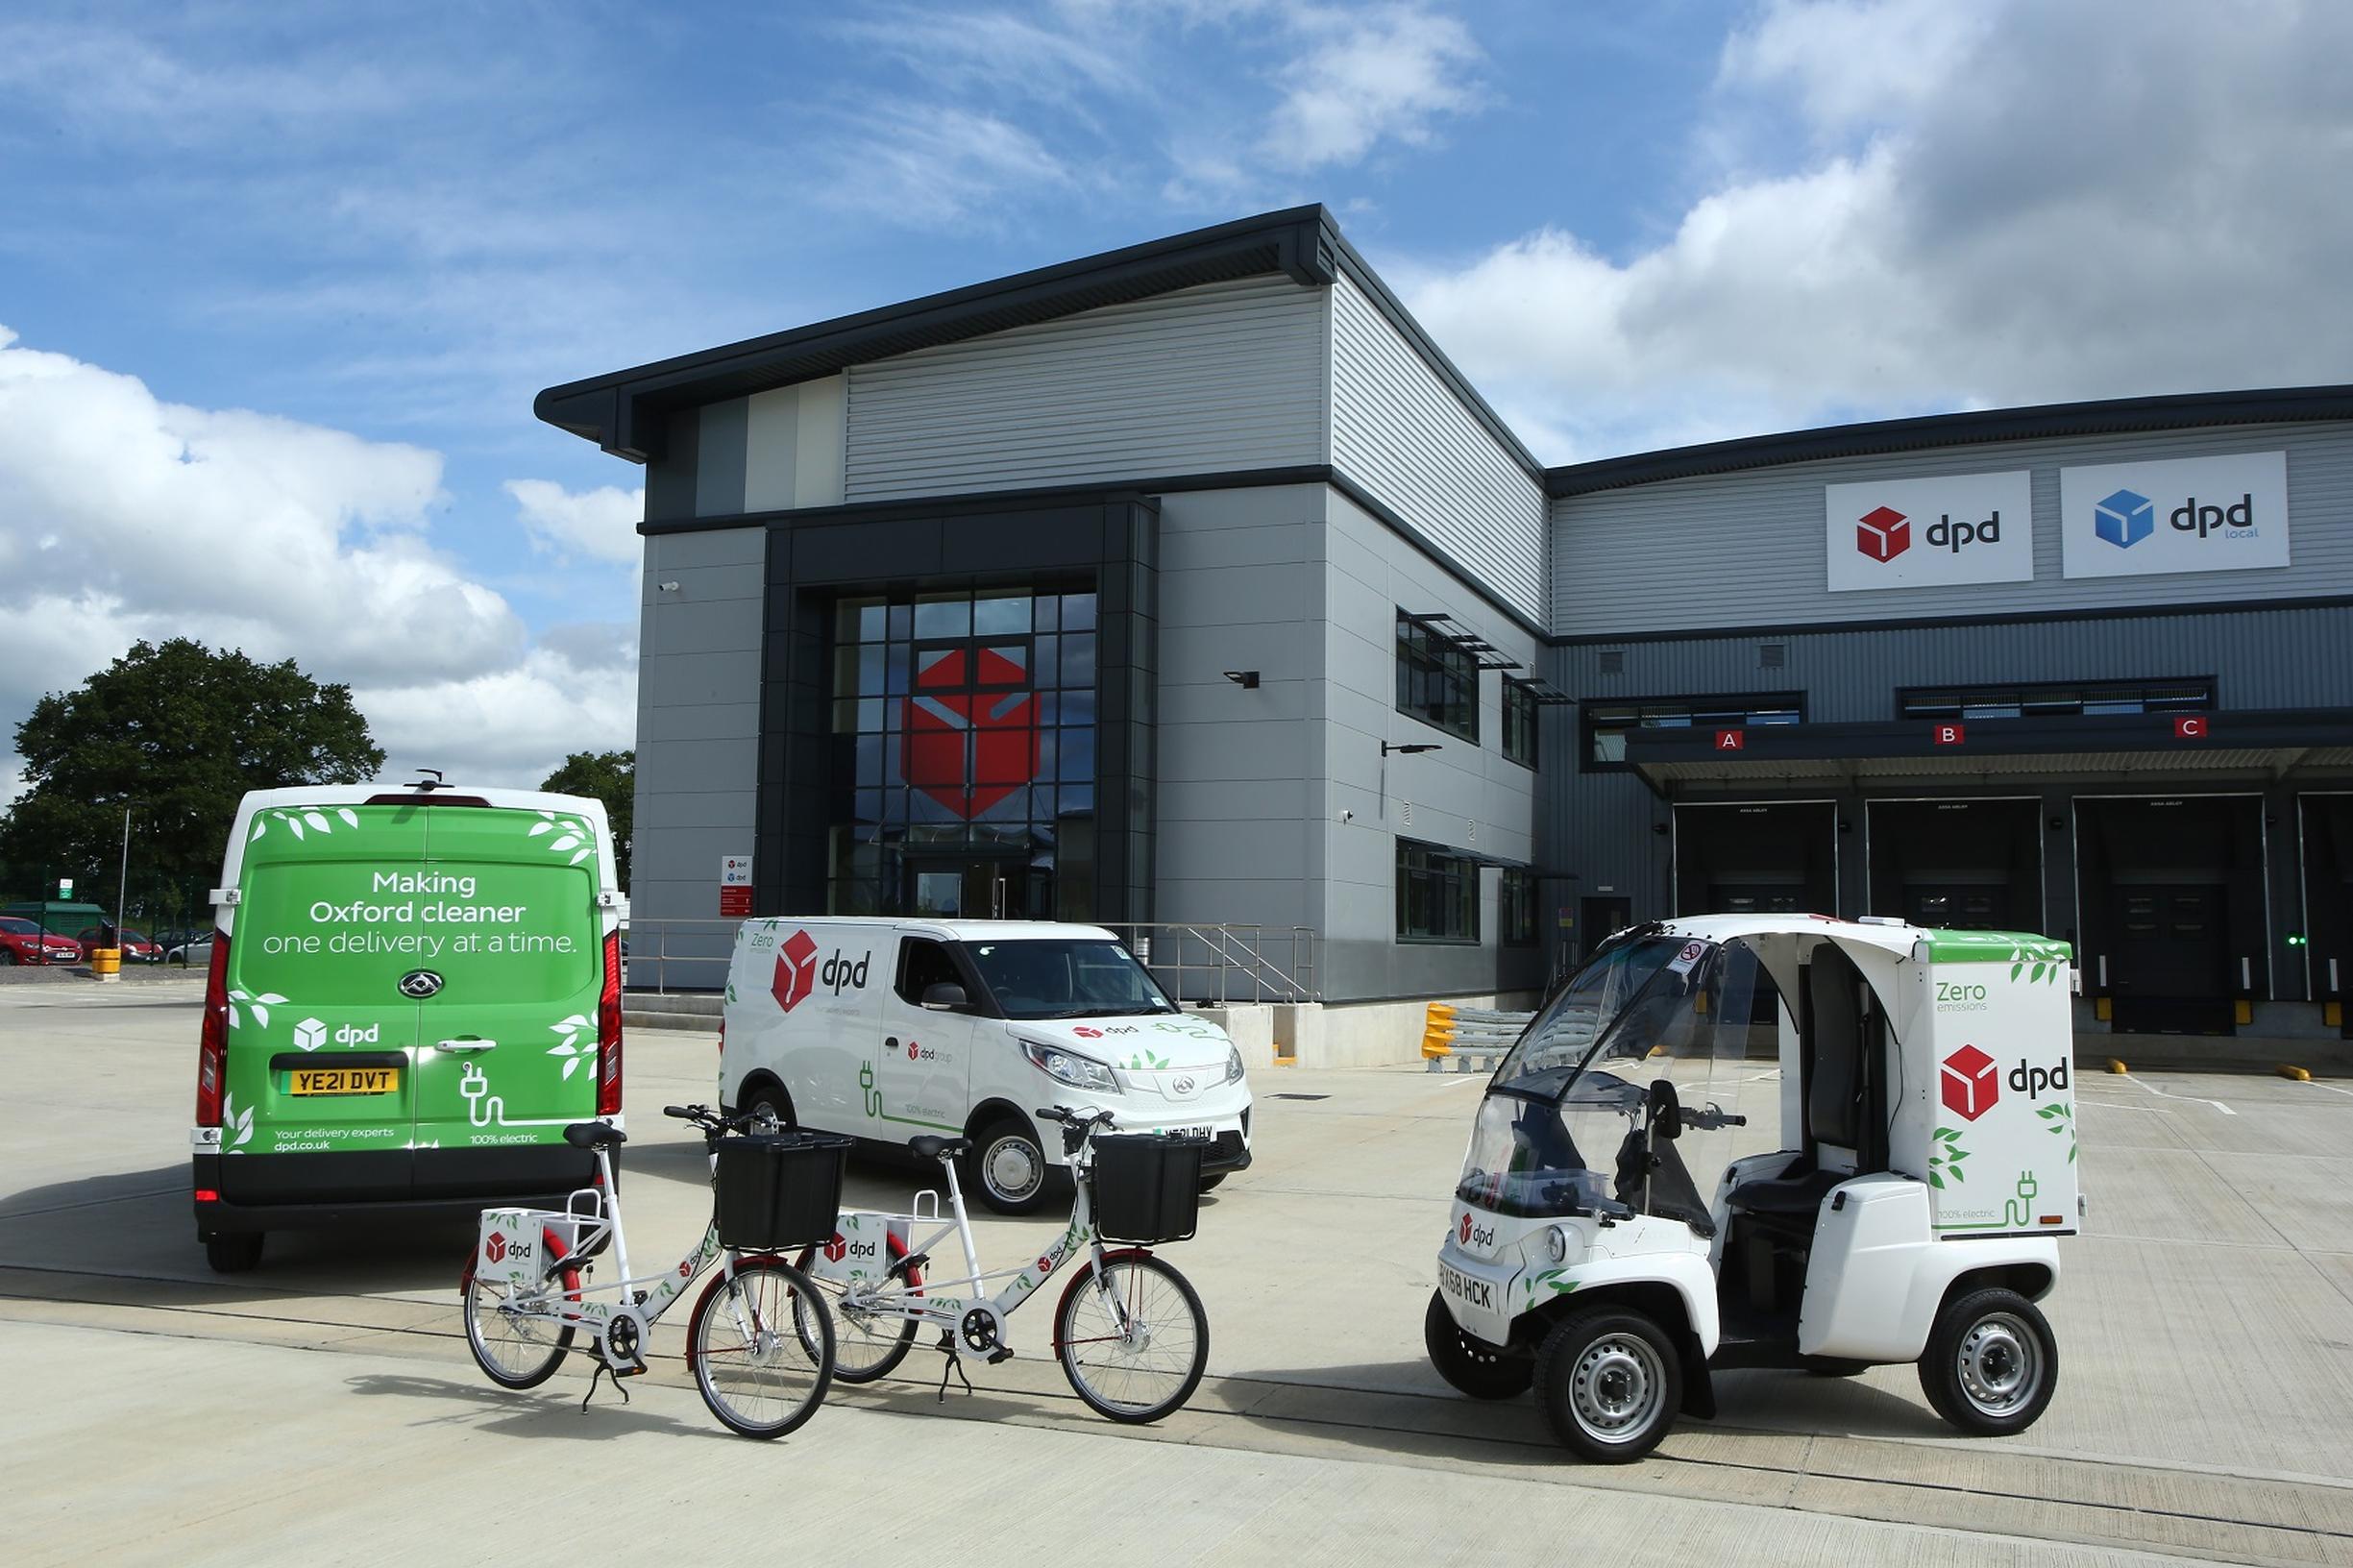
(234, 1253)
(1991, 1364)
(770, 1109)
(1211, 1184)
(1469, 1363)
(1008, 1168)
(1609, 1382)
(1832, 1366)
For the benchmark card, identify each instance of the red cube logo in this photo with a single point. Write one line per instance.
(1883, 533)
(495, 1247)
(795, 970)
(1970, 1083)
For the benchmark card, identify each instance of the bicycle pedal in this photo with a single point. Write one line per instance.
(1000, 1354)
(637, 1371)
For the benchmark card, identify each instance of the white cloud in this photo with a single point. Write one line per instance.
(940, 165)
(1384, 74)
(123, 517)
(2036, 204)
(599, 523)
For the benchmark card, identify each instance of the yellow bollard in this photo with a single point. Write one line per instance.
(2289, 1070)
(105, 962)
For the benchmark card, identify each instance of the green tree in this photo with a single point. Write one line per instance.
(178, 733)
(609, 777)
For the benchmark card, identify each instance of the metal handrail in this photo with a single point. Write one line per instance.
(716, 931)
(1230, 954)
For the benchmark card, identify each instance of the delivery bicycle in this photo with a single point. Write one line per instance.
(760, 1341)
(1129, 1331)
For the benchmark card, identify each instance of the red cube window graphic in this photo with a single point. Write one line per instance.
(1970, 1083)
(969, 748)
(795, 970)
(1883, 533)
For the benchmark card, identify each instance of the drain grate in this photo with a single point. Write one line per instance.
(1299, 1096)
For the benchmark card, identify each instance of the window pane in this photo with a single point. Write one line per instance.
(997, 614)
(943, 615)
(1078, 612)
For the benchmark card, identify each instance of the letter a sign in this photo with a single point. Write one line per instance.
(1732, 739)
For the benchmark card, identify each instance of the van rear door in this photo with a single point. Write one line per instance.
(319, 1085)
(506, 1053)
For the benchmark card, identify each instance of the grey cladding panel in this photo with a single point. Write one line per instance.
(1398, 431)
(2258, 658)
(1748, 549)
(1220, 376)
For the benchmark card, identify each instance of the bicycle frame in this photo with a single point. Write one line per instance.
(646, 1297)
(948, 1311)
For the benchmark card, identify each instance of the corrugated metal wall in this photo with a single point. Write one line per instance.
(1400, 434)
(1748, 549)
(2262, 659)
(1222, 376)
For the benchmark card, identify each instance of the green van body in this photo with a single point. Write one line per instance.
(407, 988)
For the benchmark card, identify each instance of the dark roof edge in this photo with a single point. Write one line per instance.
(2046, 421)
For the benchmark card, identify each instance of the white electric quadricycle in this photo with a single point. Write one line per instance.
(1907, 1210)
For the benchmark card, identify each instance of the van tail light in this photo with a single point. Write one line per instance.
(608, 1031)
(212, 1041)
(722, 1039)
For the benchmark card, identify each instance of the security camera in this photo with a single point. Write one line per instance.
(1348, 815)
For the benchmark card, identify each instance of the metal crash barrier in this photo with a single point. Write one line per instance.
(1469, 1038)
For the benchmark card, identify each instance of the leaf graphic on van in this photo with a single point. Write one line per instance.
(350, 816)
(566, 841)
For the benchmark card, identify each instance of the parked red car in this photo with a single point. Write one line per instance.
(21, 941)
(135, 948)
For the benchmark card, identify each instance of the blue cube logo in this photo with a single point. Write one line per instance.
(2125, 519)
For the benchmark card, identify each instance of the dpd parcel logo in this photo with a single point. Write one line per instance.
(795, 970)
(1883, 533)
(1970, 1083)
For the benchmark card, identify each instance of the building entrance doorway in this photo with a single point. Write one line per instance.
(964, 888)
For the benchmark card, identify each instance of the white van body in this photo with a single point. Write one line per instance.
(826, 1015)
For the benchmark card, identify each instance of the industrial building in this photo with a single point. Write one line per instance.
(1192, 585)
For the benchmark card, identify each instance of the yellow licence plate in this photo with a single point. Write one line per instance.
(346, 1081)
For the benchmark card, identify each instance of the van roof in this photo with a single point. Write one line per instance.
(352, 795)
(956, 930)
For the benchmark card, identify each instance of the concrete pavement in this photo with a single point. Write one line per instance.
(2205, 1321)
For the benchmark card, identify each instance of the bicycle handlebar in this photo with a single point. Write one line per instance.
(709, 1120)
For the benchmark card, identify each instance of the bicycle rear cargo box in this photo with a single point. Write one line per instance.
(1147, 1188)
(779, 1190)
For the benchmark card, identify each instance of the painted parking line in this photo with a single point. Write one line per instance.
(2147, 1087)
(2333, 1089)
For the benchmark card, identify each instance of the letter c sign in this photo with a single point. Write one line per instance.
(2190, 727)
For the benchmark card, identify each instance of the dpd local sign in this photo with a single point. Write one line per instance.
(735, 884)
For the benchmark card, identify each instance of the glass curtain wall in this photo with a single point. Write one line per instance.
(964, 729)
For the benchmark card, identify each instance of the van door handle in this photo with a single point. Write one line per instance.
(2103, 971)
(2332, 974)
(2247, 974)
(461, 1047)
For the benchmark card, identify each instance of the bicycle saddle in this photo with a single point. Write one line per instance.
(590, 1135)
(932, 1146)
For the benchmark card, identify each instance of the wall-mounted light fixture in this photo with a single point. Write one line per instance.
(1246, 679)
(1408, 750)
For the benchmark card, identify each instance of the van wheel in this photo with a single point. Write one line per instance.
(1832, 1366)
(1991, 1364)
(1609, 1382)
(770, 1109)
(1008, 1168)
(1211, 1184)
(234, 1253)
(1468, 1362)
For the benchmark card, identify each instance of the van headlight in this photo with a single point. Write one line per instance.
(1070, 1068)
(1557, 1244)
(1233, 1064)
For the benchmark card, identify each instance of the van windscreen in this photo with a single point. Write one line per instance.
(1065, 979)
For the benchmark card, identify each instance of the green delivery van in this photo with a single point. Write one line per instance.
(413, 991)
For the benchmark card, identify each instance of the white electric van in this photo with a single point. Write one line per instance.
(888, 1029)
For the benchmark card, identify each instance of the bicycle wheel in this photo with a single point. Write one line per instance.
(866, 1345)
(762, 1344)
(1134, 1343)
(515, 1349)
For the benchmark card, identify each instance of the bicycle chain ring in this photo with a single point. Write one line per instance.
(624, 1343)
(982, 1329)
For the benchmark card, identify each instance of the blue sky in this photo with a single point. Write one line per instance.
(283, 281)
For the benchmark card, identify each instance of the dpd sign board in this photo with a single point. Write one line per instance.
(2186, 514)
(1926, 533)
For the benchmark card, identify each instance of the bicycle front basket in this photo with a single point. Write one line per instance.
(1147, 1188)
(779, 1190)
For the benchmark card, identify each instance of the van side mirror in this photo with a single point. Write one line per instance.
(944, 996)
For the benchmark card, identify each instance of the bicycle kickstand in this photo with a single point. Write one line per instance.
(955, 1365)
(602, 1371)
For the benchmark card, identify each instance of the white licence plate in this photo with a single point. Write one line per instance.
(1191, 1132)
(1471, 1292)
